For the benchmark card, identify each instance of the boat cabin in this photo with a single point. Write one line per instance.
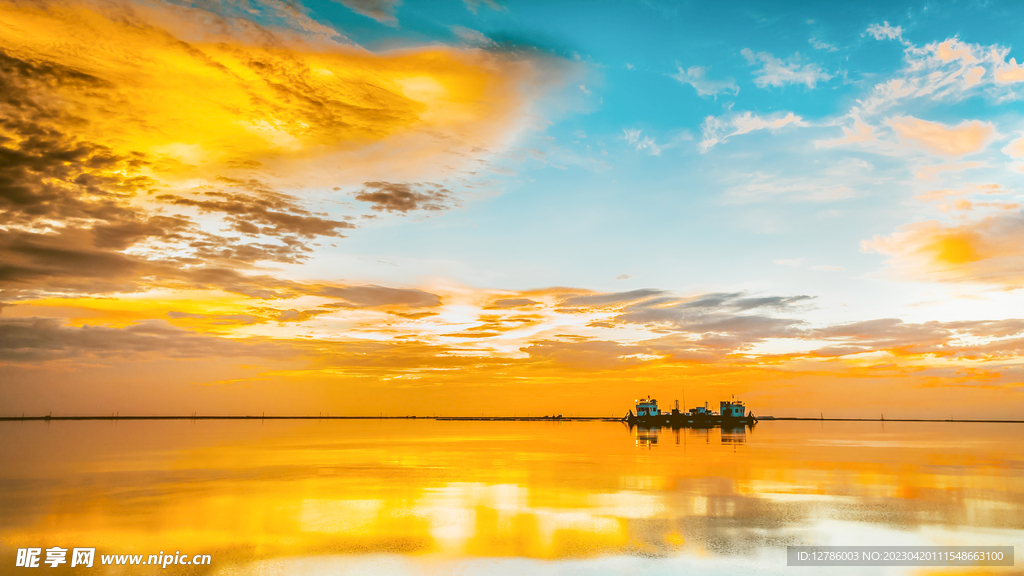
(733, 409)
(647, 407)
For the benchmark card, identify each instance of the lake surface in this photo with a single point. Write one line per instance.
(443, 497)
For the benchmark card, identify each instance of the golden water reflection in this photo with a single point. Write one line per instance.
(251, 493)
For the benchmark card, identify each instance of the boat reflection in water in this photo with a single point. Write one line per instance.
(647, 436)
(735, 435)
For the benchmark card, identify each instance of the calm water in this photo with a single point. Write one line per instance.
(426, 497)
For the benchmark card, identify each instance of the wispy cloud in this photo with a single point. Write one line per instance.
(636, 138)
(762, 187)
(472, 37)
(859, 132)
(820, 45)
(404, 198)
(719, 129)
(884, 31)
(791, 262)
(949, 70)
(696, 76)
(777, 72)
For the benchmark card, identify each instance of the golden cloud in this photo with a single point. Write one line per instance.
(172, 141)
(204, 107)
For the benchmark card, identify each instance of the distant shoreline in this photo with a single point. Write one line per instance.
(483, 418)
(771, 418)
(470, 418)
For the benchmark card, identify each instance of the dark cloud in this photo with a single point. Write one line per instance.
(723, 313)
(942, 338)
(718, 331)
(990, 328)
(67, 262)
(231, 280)
(396, 197)
(886, 333)
(210, 249)
(373, 296)
(45, 174)
(45, 339)
(130, 230)
(270, 214)
(737, 301)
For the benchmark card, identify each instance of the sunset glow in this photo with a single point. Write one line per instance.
(290, 208)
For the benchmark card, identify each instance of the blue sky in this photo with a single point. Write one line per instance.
(671, 214)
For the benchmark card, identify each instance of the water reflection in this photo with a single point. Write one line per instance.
(647, 436)
(735, 435)
(278, 496)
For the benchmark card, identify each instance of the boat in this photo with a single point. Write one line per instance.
(731, 413)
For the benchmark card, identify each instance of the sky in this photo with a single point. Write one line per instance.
(364, 207)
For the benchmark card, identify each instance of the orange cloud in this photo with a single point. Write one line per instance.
(1010, 72)
(977, 189)
(987, 251)
(953, 49)
(1015, 149)
(965, 138)
(929, 172)
(530, 350)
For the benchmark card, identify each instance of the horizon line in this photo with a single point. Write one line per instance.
(115, 417)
